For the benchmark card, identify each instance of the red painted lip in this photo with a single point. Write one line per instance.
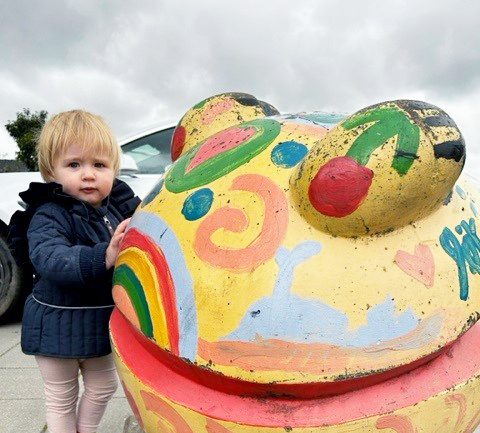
(218, 397)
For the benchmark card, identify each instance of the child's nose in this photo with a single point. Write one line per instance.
(88, 173)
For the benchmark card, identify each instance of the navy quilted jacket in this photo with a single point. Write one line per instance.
(68, 311)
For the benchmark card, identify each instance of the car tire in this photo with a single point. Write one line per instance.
(14, 285)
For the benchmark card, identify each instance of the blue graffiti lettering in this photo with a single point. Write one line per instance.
(465, 253)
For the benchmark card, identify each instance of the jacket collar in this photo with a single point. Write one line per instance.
(40, 193)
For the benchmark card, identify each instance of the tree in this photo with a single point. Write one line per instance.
(24, 131)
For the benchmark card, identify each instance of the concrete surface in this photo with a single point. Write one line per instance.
(21, 393)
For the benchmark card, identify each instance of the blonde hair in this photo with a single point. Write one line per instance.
(76, 126)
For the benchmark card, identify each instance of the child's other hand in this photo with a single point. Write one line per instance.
(114, 245)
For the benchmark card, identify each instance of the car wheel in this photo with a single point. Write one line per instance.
(14, 286)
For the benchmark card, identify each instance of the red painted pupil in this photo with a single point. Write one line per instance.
(340, 186)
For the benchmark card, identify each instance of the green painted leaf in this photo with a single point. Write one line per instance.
(387, 122)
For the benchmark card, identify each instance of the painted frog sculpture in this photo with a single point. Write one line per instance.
(309, 273)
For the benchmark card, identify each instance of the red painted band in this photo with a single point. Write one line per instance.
(219, 397)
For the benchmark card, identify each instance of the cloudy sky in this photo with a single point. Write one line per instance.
(142, 63)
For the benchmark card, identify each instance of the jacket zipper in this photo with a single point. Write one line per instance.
(109, 225)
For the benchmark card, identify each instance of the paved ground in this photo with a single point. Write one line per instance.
(21, 392)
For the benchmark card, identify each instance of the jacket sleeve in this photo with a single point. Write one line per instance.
(56, 258)
(124, 199)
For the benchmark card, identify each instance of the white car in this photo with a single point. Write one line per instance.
(144, 158)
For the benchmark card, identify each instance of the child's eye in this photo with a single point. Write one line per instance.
(99, 165)
(74, 164)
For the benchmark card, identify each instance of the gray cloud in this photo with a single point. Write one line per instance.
(138, 64)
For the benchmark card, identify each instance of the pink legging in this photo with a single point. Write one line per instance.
(60, 376)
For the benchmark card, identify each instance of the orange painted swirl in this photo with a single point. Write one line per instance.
(264, 246)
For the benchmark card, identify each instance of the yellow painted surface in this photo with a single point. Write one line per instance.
(274, 282)
(354, 273)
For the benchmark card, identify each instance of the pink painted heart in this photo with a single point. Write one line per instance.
(419, 265)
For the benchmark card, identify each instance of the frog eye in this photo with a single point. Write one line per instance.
(380, 169)
(216, 114)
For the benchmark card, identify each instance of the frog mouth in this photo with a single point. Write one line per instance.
(202, 391)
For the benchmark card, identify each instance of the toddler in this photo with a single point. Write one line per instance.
(74, 224)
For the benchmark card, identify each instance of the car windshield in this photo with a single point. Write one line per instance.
(152, 152)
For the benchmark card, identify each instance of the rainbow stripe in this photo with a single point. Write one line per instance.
(125, 277)
(136, 240)
(152, 282)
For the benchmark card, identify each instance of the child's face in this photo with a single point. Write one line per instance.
(87, 177)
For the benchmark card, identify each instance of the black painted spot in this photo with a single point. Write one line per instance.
(415, 105)
(254, 313)
(440, 120)
(244, 98)
(454, 149)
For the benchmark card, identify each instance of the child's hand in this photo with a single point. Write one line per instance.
(114, 246)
